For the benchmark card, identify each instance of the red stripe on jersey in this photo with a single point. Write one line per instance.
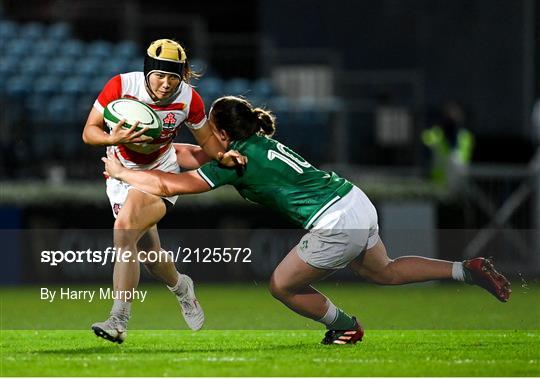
(131, 97)
(140, 158)
(170, 107)
(111, 91)
(196, 108)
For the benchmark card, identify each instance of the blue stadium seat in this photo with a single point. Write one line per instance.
(8, 66)
(33, 66)
(126, 50)
(61, 66)
(113, 67)
(46, 48)
(47, 85)
(72, 48)
(97, 84)
(210, 88)
(238, 87)
(101, 49)
(19, 86)
(18, 47)
(8, 30)
(59, 31)
(258, 101)
(74, 85)
(32, 30)
(263, 88)
(88, 67)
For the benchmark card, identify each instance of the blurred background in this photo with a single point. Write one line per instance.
(431, 106)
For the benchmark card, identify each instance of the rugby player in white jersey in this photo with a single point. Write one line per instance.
(164, 86)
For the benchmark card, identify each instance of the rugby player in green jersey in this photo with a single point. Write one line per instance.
(340, 219)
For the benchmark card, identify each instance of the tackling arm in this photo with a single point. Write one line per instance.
(156, 182)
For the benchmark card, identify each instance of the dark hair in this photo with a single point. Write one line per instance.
(240, 119)
(188, 73)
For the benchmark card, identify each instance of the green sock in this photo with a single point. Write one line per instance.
(467, 276)
(343, 321)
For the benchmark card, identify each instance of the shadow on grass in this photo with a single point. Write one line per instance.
(125, 349)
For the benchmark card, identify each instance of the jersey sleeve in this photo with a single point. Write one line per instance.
(216, 175)
(111, 91)
(197, 116)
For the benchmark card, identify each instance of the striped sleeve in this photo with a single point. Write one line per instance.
(197, 116)
(111, 91)
(216, 175)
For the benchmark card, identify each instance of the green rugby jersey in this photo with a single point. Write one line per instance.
(280, 179)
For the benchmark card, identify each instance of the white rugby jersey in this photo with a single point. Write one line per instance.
(187, 107)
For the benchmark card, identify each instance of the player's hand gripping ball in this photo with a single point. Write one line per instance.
(132, 111)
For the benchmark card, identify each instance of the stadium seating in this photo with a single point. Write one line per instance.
(64, 75)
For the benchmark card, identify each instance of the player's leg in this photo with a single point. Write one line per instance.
(161, 264)
(180, 285)
(291, 284)
(139, 212)
(375, 265)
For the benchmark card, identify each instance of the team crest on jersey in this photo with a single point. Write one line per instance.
(169, 122)
(116, 208)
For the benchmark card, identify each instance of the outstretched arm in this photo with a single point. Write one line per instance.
(191, 157)
(156, 182)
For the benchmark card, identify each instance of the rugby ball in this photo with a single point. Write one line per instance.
(133, 110)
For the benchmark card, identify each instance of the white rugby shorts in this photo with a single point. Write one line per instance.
(117, 190)
(341, 233)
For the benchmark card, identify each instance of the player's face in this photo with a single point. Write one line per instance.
(163, 85)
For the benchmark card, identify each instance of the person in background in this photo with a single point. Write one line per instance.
(451, 144)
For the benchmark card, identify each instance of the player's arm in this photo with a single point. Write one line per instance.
(156, 182)
(94, 129)
(205, 136)
(190, 157)
(93, 133)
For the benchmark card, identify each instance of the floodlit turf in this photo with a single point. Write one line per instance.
(477, 335)
(271, 353)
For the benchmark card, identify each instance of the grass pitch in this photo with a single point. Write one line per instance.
(453, 330)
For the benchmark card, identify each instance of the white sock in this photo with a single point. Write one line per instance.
(122, 309)
(180, 288)
(457, 272)
(330, 316)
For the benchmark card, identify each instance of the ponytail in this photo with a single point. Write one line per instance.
(240, 119)
(266, 122)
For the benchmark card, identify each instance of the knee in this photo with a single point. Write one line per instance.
(124, 231)
(277, 289)
(122, 223)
